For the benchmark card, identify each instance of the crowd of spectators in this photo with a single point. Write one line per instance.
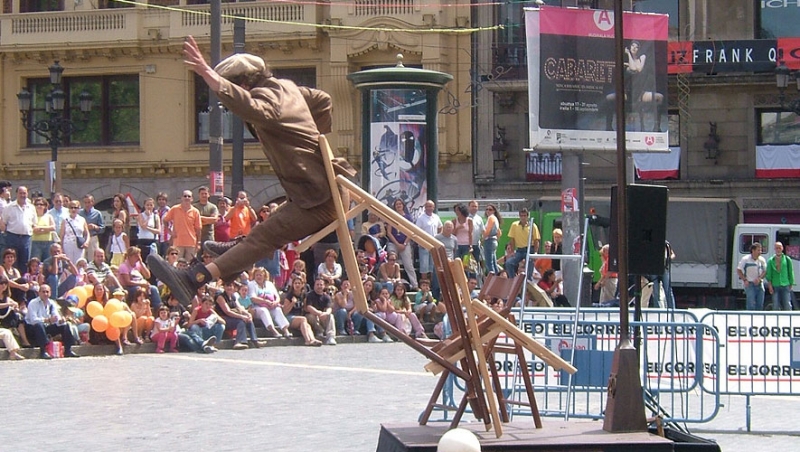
(51, 247)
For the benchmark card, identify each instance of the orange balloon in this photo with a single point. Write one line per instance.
(112, 333)
(100, 323)
(113, 305)
(94, 308)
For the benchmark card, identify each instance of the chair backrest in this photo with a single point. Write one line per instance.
(503, 288)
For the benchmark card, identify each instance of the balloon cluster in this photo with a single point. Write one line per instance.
(109, 318)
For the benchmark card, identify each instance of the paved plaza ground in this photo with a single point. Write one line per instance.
(290, 398)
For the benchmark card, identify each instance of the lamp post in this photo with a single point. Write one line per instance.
(782, 76)
(55, 128)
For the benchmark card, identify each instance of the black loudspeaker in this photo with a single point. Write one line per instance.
(647, 229)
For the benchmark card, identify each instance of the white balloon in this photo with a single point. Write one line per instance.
(459, 440)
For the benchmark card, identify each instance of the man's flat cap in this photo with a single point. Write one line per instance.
(240, 64)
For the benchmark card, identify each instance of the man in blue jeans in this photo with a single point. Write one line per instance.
(780, 279)
(751, 270)
(18, 219)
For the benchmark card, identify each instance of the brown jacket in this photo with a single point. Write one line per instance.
(288, 120)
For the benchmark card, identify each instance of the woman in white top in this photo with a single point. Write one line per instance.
(73, 226)
(267, 303)
(149, 227)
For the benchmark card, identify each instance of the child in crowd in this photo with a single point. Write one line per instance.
(143, 315)
(424, 304)
(81, 278)
(164, 331)
(118, 242)
(402, 306)
(298, 270)
(175, 307)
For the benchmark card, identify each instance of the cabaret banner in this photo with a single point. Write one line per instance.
(398, 146)
(571, 95)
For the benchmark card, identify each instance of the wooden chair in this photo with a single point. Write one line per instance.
(467, 345)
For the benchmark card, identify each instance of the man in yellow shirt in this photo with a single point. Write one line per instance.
(518, 239)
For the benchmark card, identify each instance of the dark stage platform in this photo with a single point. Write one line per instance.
(522, 436)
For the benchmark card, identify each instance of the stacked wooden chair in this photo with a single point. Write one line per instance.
(476, 326)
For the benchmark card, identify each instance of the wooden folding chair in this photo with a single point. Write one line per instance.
(467, 344)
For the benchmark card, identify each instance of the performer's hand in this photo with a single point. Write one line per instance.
(195, 60)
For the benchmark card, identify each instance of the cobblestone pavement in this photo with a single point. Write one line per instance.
(276, 398)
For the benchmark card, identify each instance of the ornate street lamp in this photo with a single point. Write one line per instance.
(782, 76)
(55, 128)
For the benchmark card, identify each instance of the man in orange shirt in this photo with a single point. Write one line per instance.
(186, 226)
(242, 216)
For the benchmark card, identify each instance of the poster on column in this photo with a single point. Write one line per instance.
(571, 95)
(398, 147)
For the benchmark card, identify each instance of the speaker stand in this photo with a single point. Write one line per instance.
(625, 401)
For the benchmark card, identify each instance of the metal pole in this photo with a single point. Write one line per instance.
(625, 404)
(215, 139)
(237, 128)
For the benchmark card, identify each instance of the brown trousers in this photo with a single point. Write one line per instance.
(289, 223)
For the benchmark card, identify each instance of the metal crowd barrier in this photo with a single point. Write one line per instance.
(689, 359)
(761, 354)
(676, 352)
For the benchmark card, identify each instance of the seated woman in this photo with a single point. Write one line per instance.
(12, 313)
(100, 295)
(330, 271)
(266, 303)
(10, 344)
(293, 305)
(19, 286)
(389, 272)
(345, 312)
(402, 306)
(385, 310)
(549, 283)
(236, 317)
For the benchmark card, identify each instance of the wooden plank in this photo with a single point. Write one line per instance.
(526, 341)
(494, 331)
(408, 228)
(314, 238)
(461, 281)
(345, 243)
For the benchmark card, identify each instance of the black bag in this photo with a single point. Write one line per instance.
(80, 240)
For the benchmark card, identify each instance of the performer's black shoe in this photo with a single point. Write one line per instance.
(217, 249)
(183, 284)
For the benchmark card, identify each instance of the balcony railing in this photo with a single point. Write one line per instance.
(542, 166)
(131, 24)
(416, 13)
(512, 58)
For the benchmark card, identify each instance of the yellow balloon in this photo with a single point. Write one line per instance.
(120, 319)
(100, 323)
(113, 305)
(88, 289)
(94, 308)
(128, 319)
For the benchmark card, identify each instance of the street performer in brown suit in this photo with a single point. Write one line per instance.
(287, 120)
